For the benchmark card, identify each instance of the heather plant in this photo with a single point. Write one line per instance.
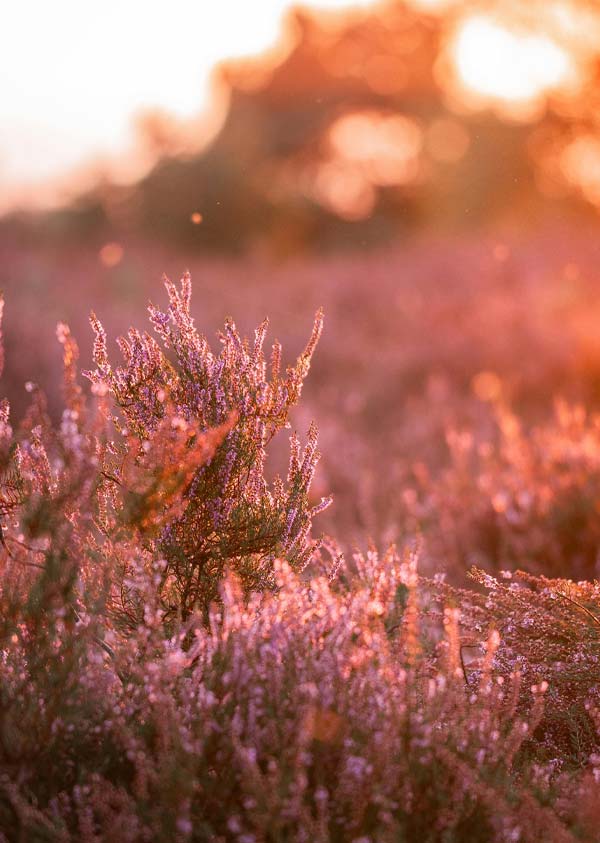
(548, 636)
(516, 497)
(322, 712)
(86, 510)
(204, 422)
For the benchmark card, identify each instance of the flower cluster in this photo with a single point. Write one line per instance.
(324, 712)
(197, 425)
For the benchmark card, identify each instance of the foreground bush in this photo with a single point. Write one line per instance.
(311, 715)
(182, 661)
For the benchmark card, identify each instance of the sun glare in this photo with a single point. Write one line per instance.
(497, 64)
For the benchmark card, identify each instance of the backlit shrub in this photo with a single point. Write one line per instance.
(196, 427)
(517, 498)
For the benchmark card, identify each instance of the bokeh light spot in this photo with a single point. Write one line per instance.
(487, 386)
(111, 254)
(501, 65)
(580, 165)
(501, 252)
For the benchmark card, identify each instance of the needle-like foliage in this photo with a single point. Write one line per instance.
(197, 424)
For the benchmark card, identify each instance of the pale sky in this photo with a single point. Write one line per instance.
(73, 73)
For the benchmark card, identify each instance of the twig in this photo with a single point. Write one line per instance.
(579, 606)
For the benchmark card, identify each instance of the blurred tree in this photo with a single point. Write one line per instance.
(360, 130)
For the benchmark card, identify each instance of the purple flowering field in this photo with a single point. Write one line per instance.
(300, 443)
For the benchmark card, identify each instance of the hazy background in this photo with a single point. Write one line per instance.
(351, 123)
